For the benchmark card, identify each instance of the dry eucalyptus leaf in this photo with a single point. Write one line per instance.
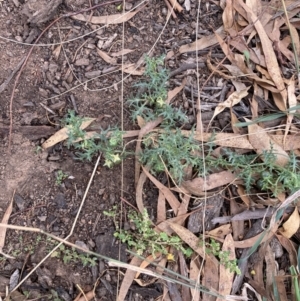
(261, 141)
(203, 43)
(5, 222)
(199, 185)
(270, 57)
(62, 134)
(132, 69)
(291, 226)
(111, 19)
(121, 52)
(226, 277)
(106, 57)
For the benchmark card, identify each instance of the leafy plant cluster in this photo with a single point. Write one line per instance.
(214, 248)
(66, 254)
(71, 255)
(60, 177)
(108, 141)
(169, 150)
(144, 239)
(264, 174)
(151, 104)
(173, 152)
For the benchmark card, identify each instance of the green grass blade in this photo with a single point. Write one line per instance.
(295, 282)
(275, 291)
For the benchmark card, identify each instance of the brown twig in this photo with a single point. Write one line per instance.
(171, 9)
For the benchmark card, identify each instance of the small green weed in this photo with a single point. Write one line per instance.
(264, 174)
(38, 150)
(171, 150)
(54, 295)
(60, 177)
(71, 255)
(109, 141)
(214, 248)
(152, 103)
(144, 239)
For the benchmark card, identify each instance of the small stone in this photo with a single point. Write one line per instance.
(60, 201)
(42, 218)
(101, 191)
(53, 68)
(92, 74)
(43, 92)
(164, 11)
(82, 62)
(54, 158)
(28, 104)
(82, 245)
(128, 6)
(91, 243)
(45, 66)
(89, 67)
(100, 44)
(70, 78)
(112, 198)
(19, 38)
(20, 202)
(101, 266)
(91, 46)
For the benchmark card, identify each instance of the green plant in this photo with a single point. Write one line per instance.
(60, 177)
(109, 141)
(71, 255)
(145, 240)
(171, 150)
(38, 150)
(264, 174)
(54, 295)
(151, 104)
(214, 248)
(295, 281)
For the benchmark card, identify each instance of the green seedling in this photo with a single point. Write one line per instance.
(214, 248)
(109, 142)
(60, 177)
(169, 151)
(71, 255)
(144, 240)
(38, 150)
(151, 104)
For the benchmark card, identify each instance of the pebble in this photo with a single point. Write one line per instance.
(20, 202)
(60, 201)
(91, 46)
(128, 6)
(101, 191)
(19, 38)
(28, 104)
(82, 245)
(42, 218)
(92, 74)
(112, 198)
(53, 68)
(43, 92)
(82, 62)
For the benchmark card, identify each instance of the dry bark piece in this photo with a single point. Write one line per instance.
(212, 209)
(198, 186)
(112, 19)
(40, 11)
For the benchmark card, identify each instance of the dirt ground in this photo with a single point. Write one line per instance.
(47, 80)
